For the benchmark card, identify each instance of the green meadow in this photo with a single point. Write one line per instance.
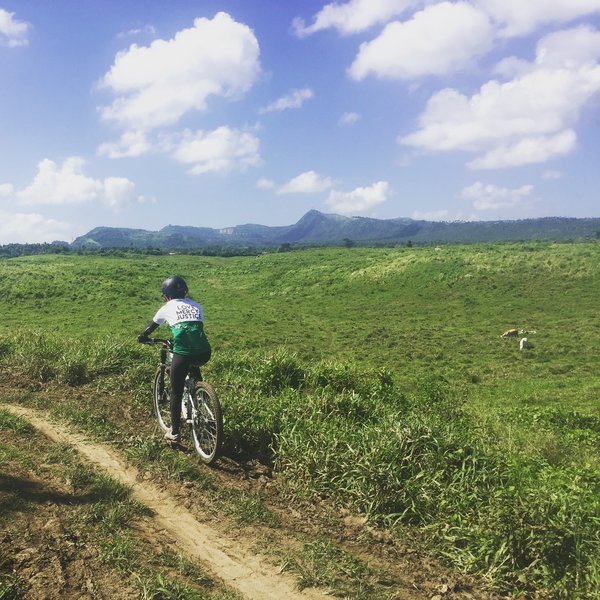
(376, 377)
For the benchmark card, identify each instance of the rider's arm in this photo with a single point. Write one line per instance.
(143, 337)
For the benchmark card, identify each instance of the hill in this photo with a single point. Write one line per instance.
(375, 383)
(316, 228)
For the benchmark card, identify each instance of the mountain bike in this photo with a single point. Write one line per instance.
(200, 407)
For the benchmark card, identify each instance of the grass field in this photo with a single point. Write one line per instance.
(408, 310)
(389, 385)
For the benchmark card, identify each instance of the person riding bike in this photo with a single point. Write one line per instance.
(191, 348)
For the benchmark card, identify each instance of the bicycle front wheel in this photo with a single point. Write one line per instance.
(162, 398)
(207, 422)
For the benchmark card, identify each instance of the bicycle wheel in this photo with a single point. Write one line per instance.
(162, 398)
(207, 422)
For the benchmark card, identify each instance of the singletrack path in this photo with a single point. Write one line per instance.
(225, 558)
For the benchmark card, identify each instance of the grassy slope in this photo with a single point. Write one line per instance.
(410, 310)
(421, 313)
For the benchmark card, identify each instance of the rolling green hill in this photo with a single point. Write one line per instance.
(377, 378)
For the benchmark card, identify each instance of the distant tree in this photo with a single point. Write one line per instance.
(285, 247)
(409, 244)
(348, 243)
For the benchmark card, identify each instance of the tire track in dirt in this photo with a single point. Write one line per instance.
(225, 558)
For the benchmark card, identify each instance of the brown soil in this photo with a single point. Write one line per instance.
(55, 566)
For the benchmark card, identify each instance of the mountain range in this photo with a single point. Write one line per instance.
(316, 228)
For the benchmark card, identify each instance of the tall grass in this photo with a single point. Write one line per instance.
(421, 461)
(402, 458)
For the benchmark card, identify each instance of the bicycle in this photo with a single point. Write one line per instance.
(200, 407)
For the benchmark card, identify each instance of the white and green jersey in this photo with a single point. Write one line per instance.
(186, 320)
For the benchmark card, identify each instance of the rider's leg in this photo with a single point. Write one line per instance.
(179, 369)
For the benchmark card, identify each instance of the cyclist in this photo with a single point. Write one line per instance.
(191, 348)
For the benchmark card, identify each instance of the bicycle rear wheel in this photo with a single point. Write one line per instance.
(162, 398)
(207, 422)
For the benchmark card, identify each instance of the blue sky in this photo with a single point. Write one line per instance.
(213, 114)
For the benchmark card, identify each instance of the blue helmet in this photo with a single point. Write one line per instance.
(174, 287)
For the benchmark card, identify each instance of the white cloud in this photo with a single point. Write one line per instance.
(492, 197)
(159, 83)
(348, 119)
(518, 17)
(360, 199)
(23, 228)
(265, 184)
(308, 182)
(6, 190)
(221, 150)
(131, 144)
(295, 99)
(442, 38)
(527, 151)
(353, 16)
(569, 49)
(527, 120)
(60, 185)
(13, 33)
(119, 192)
(68, 185)
(512, 67)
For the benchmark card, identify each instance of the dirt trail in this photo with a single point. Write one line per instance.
(227, 559)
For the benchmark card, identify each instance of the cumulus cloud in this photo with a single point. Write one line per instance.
(526, 120)
(295, 99)
(360, 199)
(569, 49)
(492, 197)
(528, 150)
(353, 16)
(442, 38)
(131, 144)
(516, 18)
(157, 84)
(13, 32)
(308, 182)
(67, 184)
(220, 151)
(119, 192)
(348, 119)
(23, 228)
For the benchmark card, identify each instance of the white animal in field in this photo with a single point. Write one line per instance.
(510, 333)
(524, 343)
